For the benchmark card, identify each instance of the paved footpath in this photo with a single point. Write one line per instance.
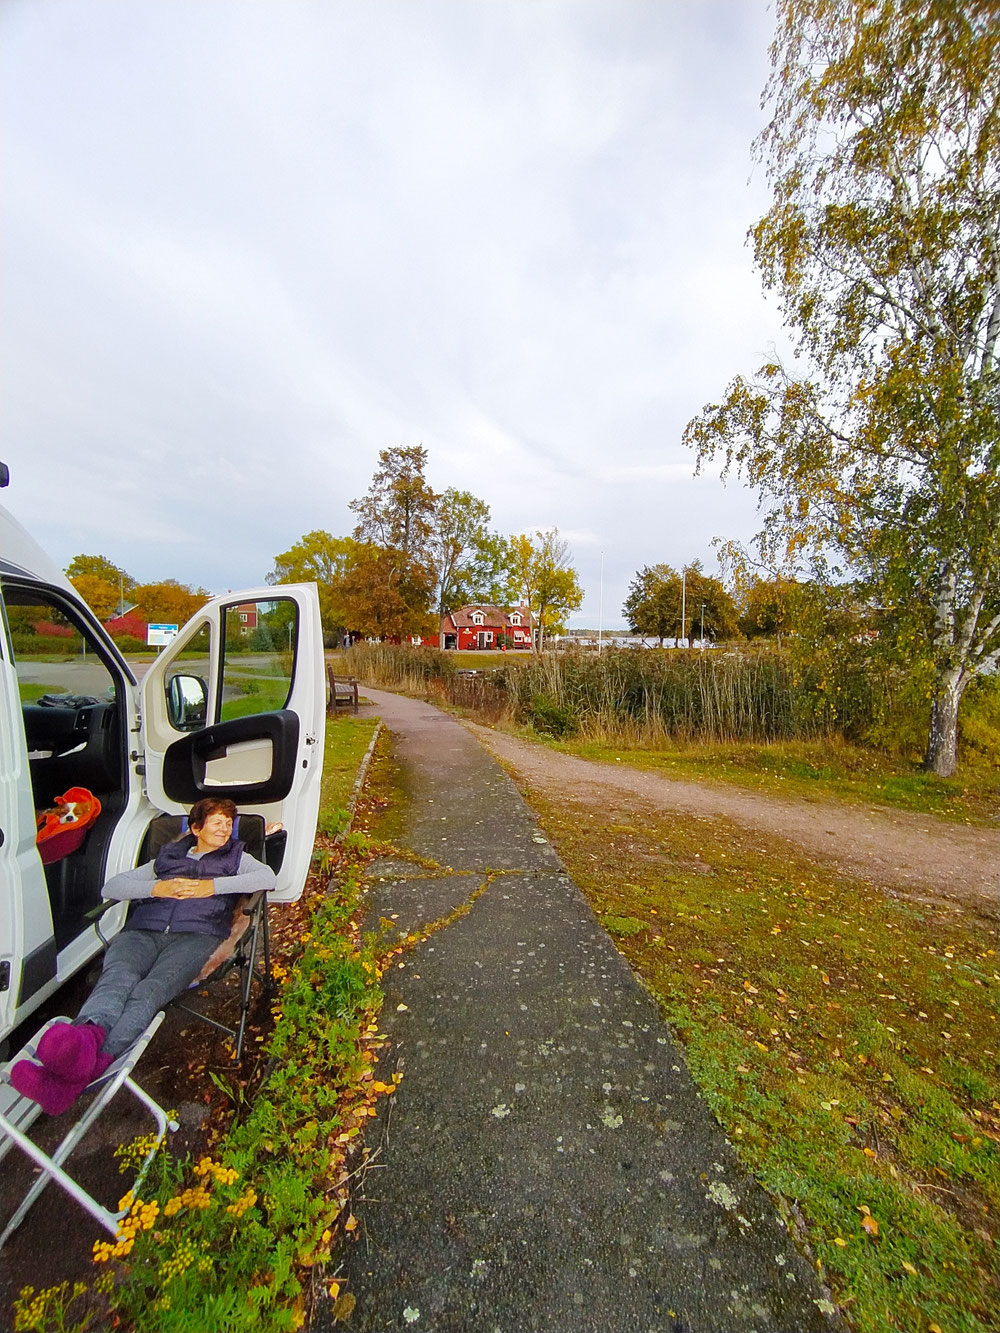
(547, 1162)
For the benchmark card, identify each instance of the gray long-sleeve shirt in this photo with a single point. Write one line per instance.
(252, 877)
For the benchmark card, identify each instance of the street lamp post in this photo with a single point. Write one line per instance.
(684, 603)
(703, 627)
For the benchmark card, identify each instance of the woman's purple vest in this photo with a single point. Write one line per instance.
(200, 916)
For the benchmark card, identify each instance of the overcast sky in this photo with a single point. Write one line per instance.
(245, 246)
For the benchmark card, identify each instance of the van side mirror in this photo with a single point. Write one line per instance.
(187, 702)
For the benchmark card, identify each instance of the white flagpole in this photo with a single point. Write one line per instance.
(600, 612)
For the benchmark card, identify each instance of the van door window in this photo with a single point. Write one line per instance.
(258, 657)
(187, 686)
(68, 700)
(71, 706)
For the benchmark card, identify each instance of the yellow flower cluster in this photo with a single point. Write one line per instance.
(29, 1310)
(132, 1155)
(195, 1197)
(33, 1309)
(141, 1217)
(245, 1201)
(179, 1262)
(224, 1175)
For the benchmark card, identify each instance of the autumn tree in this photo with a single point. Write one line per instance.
(317, 557)
(466, 557)
(397, 511)
(883, 242)
(540, 577)
(168, 602)
(103, 598)
(770, 607)
(100, 567)
(381, 600)
(103, 585)
(396, 516)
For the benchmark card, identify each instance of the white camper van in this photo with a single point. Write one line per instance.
(233, 706)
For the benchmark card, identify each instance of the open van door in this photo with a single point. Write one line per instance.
(235, 707)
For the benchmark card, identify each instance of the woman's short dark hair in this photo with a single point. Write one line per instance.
(210, 805)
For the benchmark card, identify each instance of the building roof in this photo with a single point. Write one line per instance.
(494, 617)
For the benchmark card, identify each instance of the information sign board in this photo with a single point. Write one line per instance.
(158, 636)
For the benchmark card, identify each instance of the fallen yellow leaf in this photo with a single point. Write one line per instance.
(910, 1269)
(839, 1240)
(869, 1224)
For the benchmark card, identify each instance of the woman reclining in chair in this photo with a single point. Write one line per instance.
(184, 908)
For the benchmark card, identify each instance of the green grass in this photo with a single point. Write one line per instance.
(812, 770)
(248, 1256)
(476, 661)
(846, 1041)
(347, 739)
(261, 696)
(29, 693)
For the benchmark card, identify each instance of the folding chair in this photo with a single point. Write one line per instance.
(17, 1114)
(249, 934)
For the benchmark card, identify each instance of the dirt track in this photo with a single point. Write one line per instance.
(917, 856)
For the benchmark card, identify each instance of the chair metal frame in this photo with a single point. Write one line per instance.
(244, 957)
(18, 1113)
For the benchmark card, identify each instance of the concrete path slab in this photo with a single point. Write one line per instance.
(547, 1163)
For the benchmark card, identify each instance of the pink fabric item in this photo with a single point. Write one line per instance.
(70, 1051)
(54, 1095)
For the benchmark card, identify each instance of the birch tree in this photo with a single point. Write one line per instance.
(467, 558)
(877, 453)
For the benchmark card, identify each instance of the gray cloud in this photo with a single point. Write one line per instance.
(247, 246)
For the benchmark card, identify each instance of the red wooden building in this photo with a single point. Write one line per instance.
(482, 627)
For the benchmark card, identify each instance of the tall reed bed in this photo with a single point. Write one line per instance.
(645, 696)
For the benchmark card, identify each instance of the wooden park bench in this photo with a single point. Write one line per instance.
(343, 691)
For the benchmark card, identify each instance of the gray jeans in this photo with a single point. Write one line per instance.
(143, 971)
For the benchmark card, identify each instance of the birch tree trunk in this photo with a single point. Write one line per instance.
(942, 741)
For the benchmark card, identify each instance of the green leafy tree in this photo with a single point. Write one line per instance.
(317, 557)
(653, 605)
(709, 610)
(662, 603)
(467, 558)
(882, 461)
